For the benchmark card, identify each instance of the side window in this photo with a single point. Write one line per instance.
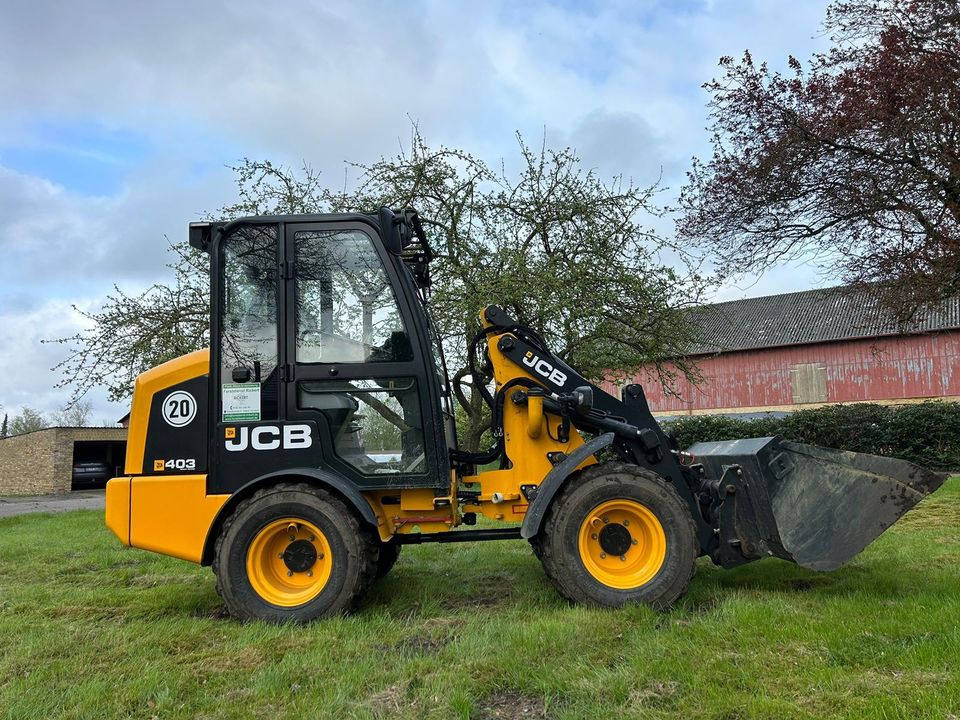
(346, 309)
(249, 323)
(375, 423)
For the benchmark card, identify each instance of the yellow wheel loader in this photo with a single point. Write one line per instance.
(316, 437)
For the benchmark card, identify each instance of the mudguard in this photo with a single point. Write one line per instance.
(554, 481)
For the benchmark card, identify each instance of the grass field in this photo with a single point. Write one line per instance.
(89, 629)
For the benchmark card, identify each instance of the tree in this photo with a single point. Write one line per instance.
(561, 250)
(130, 334)
(76, 414)
(3, 427)
(854, 159)
(28, 420)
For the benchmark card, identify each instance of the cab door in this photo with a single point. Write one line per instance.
(356, 357)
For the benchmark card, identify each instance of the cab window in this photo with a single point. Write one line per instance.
(346, 308)
(248, 320)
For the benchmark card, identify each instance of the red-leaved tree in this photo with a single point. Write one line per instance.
(853, 158)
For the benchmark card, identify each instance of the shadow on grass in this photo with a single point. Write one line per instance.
(419, 591)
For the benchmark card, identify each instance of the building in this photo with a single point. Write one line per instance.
(799, 350)
(46, 461)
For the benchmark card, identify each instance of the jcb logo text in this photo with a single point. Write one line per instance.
(542, 367)
(269, 437)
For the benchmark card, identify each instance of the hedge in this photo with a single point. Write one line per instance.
(926, 433)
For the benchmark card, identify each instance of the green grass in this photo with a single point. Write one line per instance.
(89, 629)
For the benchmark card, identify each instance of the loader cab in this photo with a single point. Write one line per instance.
(322, 352)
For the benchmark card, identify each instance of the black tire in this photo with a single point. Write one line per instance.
(389, 554)
(353, 553)
(558, 543)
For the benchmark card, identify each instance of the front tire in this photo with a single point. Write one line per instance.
(293, 553)
(618, 534)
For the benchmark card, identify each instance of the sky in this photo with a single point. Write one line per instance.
(119, 121)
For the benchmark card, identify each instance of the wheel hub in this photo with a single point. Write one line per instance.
(300, 556)
(622, 543)
(615, 539)
(289, 561)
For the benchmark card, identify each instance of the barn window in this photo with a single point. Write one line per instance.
(809, 383)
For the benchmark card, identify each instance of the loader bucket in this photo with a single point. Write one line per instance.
(812, 505)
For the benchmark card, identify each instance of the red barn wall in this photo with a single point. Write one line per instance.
(895, 369)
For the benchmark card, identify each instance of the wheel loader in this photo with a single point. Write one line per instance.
(316, 437)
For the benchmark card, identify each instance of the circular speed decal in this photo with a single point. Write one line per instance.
(179, 408)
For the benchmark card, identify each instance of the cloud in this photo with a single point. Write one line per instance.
(27, 378)
(57, 243)
(118, 118)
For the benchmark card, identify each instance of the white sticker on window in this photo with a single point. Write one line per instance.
(241, 402)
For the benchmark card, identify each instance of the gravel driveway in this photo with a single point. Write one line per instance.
(79, 500)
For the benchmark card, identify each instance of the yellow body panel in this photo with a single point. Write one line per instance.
(159, 378)
(419, 510)
(171, 514)
(117, 513)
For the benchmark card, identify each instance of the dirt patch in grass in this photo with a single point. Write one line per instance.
(654, 694)
(806, 584)
(433, 635)
(512, 705)
(486, 591)
(390, 701)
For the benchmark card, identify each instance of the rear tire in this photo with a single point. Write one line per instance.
(293, 553)
(618, 534)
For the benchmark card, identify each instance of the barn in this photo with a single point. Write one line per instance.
(780, 353)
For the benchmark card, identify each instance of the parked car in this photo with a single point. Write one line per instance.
(90, 473)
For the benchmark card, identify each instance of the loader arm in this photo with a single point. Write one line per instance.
(516, 352)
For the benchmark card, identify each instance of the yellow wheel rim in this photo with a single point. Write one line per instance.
(622, 544)
(289, 562)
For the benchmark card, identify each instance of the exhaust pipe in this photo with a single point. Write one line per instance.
(814, 506)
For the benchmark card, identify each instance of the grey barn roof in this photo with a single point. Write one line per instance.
(813, 316)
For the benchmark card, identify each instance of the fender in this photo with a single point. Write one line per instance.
(554, 481)
(323, 478)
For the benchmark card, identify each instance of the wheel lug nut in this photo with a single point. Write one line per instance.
(633, 542)
(312, 538)
(593, 537)
(289, 573)
(603, 555)
(309, 573)
(319, 556)
(280, 555)
(605, 520)
(292, 538)
(626, 523)
(623, 558)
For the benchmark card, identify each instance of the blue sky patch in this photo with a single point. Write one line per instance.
(85, 157)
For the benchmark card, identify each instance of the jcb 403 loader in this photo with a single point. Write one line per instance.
(316, 437)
